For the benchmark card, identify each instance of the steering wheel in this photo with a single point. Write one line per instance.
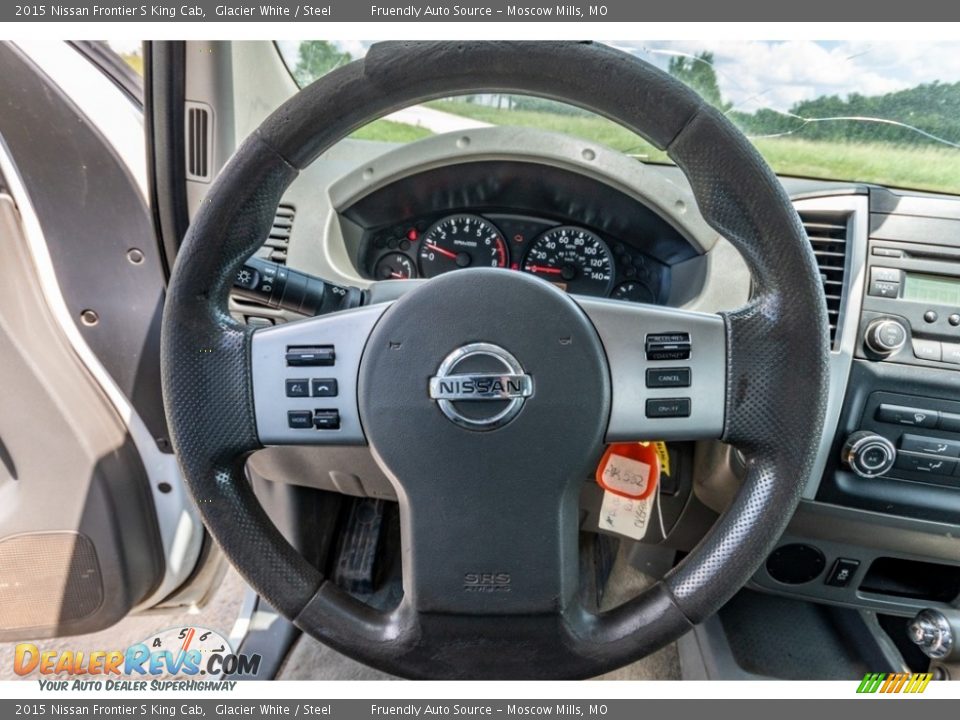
(486, 395)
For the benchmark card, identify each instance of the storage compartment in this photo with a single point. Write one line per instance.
(912, 579)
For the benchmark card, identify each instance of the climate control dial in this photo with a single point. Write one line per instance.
(869, 455)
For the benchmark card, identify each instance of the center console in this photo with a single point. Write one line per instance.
(879, 526)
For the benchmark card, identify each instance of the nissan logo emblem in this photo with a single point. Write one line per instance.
(507, 383)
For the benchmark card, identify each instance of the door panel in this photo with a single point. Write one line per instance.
(79, 544)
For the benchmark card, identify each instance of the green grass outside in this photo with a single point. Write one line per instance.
(390, 131)
(922, 167)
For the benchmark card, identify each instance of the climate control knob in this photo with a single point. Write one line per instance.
(869, 455)
(885, 336)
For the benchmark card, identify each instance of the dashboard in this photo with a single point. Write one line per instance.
(568, 229)
(596, 222)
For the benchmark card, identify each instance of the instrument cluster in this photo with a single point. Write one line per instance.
(577, 259)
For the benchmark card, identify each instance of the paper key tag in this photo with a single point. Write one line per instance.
(630, 470)
(626, 516)
(625, 476)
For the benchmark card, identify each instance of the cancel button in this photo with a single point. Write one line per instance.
(668, 377)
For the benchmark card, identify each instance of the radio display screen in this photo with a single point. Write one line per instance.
(936, 289)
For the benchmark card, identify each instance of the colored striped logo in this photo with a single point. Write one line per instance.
(894, 682)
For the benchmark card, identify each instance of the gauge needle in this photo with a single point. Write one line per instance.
(396, 275)
(187, 640)
(442, 251)
(543, 269)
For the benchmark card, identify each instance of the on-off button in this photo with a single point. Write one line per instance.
(668, 407)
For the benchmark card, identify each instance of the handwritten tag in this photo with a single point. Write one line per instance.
(626, 516)
(626, 476)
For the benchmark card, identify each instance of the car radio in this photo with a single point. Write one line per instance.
(911, 308)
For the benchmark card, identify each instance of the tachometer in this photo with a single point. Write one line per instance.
(461, 241)
(573, 258)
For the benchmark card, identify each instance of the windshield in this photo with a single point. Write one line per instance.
(886, 113)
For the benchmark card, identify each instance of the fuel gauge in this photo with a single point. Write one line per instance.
(395, 266)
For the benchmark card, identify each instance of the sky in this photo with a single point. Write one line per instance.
(776, 74)
(755, 74)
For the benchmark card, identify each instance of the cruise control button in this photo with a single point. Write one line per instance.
(324, 387)
(930, 446)
(327, 419)
(899, 415)
(299, 387)
(668, 377)
(668, 346)
(927, 349)
(300, 419)
(925, 464)
(668, 407)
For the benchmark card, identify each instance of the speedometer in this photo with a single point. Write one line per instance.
(461, 241)
(573, 258)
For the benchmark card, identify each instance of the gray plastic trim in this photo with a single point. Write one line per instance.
(841, 357)
(181, 531)
(347, 332)
(864, 536)
(672, 201)
(623, 328)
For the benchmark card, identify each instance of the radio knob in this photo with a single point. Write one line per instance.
(869, 455)
(885, 336)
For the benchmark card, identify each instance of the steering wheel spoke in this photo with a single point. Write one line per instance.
(667, 370)
(304, 377)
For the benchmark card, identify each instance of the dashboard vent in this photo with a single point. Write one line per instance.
(278, 241)
(199, 141)
(828, 233)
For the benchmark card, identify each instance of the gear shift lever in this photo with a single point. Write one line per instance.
(936, 632)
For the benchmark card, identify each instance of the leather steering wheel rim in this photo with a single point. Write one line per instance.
(776, 358)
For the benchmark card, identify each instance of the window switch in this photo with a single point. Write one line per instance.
(842, 572)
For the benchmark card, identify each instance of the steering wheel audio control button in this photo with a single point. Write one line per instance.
(300, 419)
(299, 387)
(327, 419)
(311, 355)
(324, 387)
(869, 455)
